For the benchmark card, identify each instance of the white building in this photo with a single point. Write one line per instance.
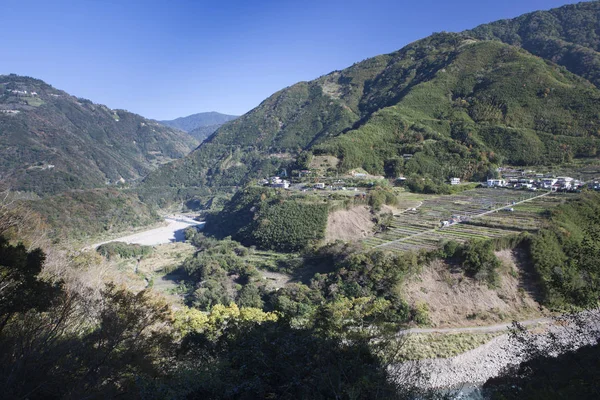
(548, 183)
(282, 185)
(565, 182)
(496, 183)
(455, 181)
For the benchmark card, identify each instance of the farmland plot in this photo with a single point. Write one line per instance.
(484, 213)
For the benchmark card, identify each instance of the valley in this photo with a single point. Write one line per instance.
(420, 224)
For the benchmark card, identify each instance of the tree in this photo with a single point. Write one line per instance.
(249, 296)
(480, 261)
(21, 289)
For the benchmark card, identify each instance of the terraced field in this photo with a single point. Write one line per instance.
(484, 214)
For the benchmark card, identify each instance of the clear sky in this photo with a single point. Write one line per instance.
(166, 59)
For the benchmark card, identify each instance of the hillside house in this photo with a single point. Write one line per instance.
(455, 181)
(277, 182)
(565, 182)
(548, 183)
(496, 183)
(281, 185)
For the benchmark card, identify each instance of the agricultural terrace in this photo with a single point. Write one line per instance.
(483, 213)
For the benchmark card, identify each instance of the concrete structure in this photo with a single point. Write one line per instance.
(496, 183)
(455, 181)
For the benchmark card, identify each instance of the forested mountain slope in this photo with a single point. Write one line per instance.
(459, 105)
(568, 36)
(51, 141)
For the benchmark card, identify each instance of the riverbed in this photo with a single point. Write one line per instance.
(174, 231)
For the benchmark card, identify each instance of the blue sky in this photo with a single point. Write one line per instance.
(165, 59)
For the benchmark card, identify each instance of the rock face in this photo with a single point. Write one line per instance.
(478, 365)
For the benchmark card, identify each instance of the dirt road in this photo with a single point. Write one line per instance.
(476, 329)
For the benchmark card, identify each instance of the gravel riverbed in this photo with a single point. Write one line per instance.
(487, 361)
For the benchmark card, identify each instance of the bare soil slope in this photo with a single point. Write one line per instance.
(455, 300)
(349, 225)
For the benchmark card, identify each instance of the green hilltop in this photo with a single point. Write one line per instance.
(51, 141)
(449, 105)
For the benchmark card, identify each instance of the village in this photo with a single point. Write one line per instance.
(510, 178)
(530, 180)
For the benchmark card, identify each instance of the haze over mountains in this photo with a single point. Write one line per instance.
(51, 141)
(452, 104)
(200, 125)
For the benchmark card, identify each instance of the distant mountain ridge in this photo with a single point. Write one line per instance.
(51, 141)
(200, 125)
(449, 105)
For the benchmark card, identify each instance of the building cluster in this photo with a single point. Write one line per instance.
(276, 182)
(536, 181)
(9, 111)
(595, 185)
(455, 219)
(22, 92)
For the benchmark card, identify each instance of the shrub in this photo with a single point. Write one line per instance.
(123, 250)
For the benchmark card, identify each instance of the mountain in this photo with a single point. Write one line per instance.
(450, 105)
(200, 125)
(51, 141)
(202, 132)
(568, 36)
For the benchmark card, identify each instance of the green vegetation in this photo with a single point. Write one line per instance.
(477, 259)
(58, 142)
(87, 214)
(115, 343)
(566, 253)
(567, 35)
(422, 346)
(267, 219)
(446, 106)
(123, 250)
(22, 289)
